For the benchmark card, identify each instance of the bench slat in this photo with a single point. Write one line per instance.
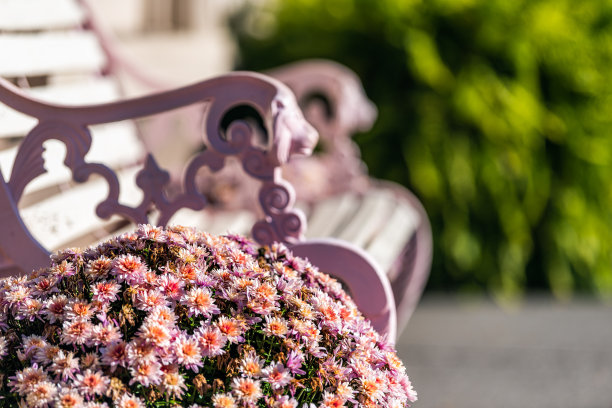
(218, 222)
(29, 15)
(369, 219)
(391, 240)
(50, 53)
(329, 215)
(188, 217)
(235, 222)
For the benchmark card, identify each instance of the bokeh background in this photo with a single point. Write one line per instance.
(496, 114)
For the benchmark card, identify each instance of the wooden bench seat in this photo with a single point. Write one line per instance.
(69, 52)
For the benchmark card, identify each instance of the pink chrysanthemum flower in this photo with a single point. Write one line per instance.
(163, 316)
(175, 239)
(76, 332)
(371, 387)
(329, 313)
(277, 375)
(29, 309)
(45, 285)
(231, 328)
(307, 330)
(64, 365)
(31, 345)
(251, 365)
(149, 232)
(275, 326)
(68, 398)
(188, 272)
(331, 400)
(78, 310)
(199, 301)
(150, 299)
(55, 308)
(407, 386)
(63, 270)
(345, 391)
(262, 305)
(173, 383)
(264, 290)
(156, 334)
(92, 383)
(105, 291)
(285, 401)
(104, 334)
(23, 381)
(41, 394)
(189, 233)
(45, 355)
(115, 355)
(139, 350)
(224, 400)
(99, 268)
(211, 341)
(172, 286)
(247, 389)
(242, 284)
(16, 295)
(129, 269)
(190, 319)
(188, 353)
(146, 372)
(129, 401)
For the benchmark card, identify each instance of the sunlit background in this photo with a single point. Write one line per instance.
(496, 114)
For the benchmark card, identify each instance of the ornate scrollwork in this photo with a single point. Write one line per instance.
(288, 134)
(239, 135)
(29, 162)
(275, 197)
(263, 232)
(286, 129)
(292, 223)
(281, 221)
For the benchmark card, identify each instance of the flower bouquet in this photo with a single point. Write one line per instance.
(175, 318)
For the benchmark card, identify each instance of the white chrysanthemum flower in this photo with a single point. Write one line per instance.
(41, 394)
(247, 389)
(173, 383)
(199, 302)
(224, 400)
(129, 401)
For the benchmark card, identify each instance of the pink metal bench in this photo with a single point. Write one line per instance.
(110, 180)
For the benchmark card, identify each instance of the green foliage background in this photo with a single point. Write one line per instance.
(495, 113)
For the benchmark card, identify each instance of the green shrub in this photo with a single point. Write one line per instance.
(496, 113)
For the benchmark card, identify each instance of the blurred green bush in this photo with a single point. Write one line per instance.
(496, 113)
